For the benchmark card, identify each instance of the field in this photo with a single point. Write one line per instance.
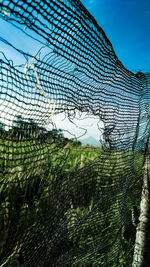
(65, 204)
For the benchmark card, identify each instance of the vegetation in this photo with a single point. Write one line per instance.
(54, 191)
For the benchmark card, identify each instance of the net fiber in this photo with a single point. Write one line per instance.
(62, 203)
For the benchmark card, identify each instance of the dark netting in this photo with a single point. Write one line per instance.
(63, 203)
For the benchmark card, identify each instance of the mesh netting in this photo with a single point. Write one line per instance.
(63, 203)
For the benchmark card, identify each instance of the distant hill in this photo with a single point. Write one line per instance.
(90, 141)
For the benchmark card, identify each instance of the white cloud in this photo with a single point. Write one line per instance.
(80, 127)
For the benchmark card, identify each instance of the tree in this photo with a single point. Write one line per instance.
(24, 129)
(55, 135)
(2, 128)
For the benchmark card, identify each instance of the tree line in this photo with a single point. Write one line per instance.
(29, 129)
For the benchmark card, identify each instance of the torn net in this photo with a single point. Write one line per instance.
(62, 203)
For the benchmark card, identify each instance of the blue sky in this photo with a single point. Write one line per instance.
(127, 25)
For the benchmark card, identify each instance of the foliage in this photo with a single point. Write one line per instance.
(38, 178)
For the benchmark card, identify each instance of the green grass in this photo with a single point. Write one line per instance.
(74, 192)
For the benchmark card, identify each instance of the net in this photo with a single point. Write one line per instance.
(63, 203)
